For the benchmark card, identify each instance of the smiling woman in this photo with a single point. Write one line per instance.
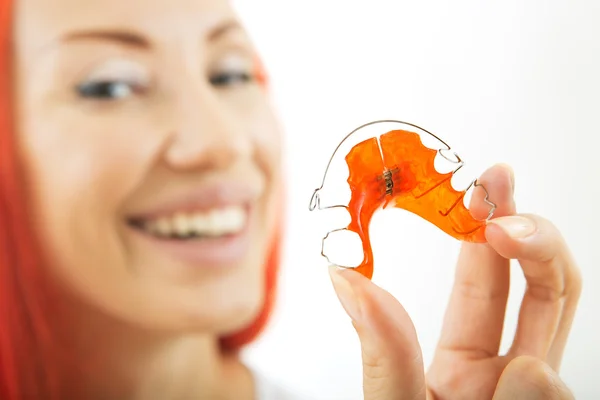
(149, 158)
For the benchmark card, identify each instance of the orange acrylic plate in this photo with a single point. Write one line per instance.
(405, 178)
(397, 170)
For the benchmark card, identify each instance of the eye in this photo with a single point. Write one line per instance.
(233, 69)
(114, 79)
(106, 90)
(231, 78)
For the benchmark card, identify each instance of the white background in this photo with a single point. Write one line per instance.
(506, 81)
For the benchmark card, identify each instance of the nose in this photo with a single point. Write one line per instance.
(205, 133)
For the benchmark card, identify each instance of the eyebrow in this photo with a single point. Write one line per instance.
(134, 39)
(117, 36)
(223, 29)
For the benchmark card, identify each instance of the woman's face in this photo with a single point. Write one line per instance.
(151, 154)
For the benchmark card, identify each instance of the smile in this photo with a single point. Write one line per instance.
(212, 226)
(206, 224)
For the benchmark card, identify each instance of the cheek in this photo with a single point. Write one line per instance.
(268, 136)
(80, 171)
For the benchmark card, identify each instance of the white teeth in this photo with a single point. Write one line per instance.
(217, 222)
(181, 224)
(198, 221)
(163, 226)
(214, 222)
(233, 219)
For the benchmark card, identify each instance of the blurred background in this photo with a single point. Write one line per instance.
(512, 81)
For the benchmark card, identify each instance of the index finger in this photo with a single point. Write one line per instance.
(553, 284)
(475, 314)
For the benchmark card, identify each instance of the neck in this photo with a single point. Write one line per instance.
(120, 361)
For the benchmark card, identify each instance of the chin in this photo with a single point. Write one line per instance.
(225, 311)
(238, 319)
(224, 320)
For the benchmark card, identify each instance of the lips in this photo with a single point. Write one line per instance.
(202, 199)
(207, 226)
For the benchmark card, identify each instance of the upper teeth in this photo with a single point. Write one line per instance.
(215, 222)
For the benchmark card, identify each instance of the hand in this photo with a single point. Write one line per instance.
(466, 364)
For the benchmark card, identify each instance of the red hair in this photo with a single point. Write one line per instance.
(27, 366)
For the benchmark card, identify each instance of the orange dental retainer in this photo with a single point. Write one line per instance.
(396, 169)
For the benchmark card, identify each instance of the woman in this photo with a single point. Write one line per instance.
(140, 201)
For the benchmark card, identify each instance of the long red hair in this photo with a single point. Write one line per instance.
(27, 369)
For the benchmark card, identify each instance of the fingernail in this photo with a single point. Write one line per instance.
(516, 227)
(345, 293)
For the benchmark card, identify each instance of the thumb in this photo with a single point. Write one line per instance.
(392, 360)
(527, 378)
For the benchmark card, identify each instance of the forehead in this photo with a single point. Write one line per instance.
(44, 20)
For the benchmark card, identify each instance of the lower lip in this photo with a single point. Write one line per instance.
(215, 253)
